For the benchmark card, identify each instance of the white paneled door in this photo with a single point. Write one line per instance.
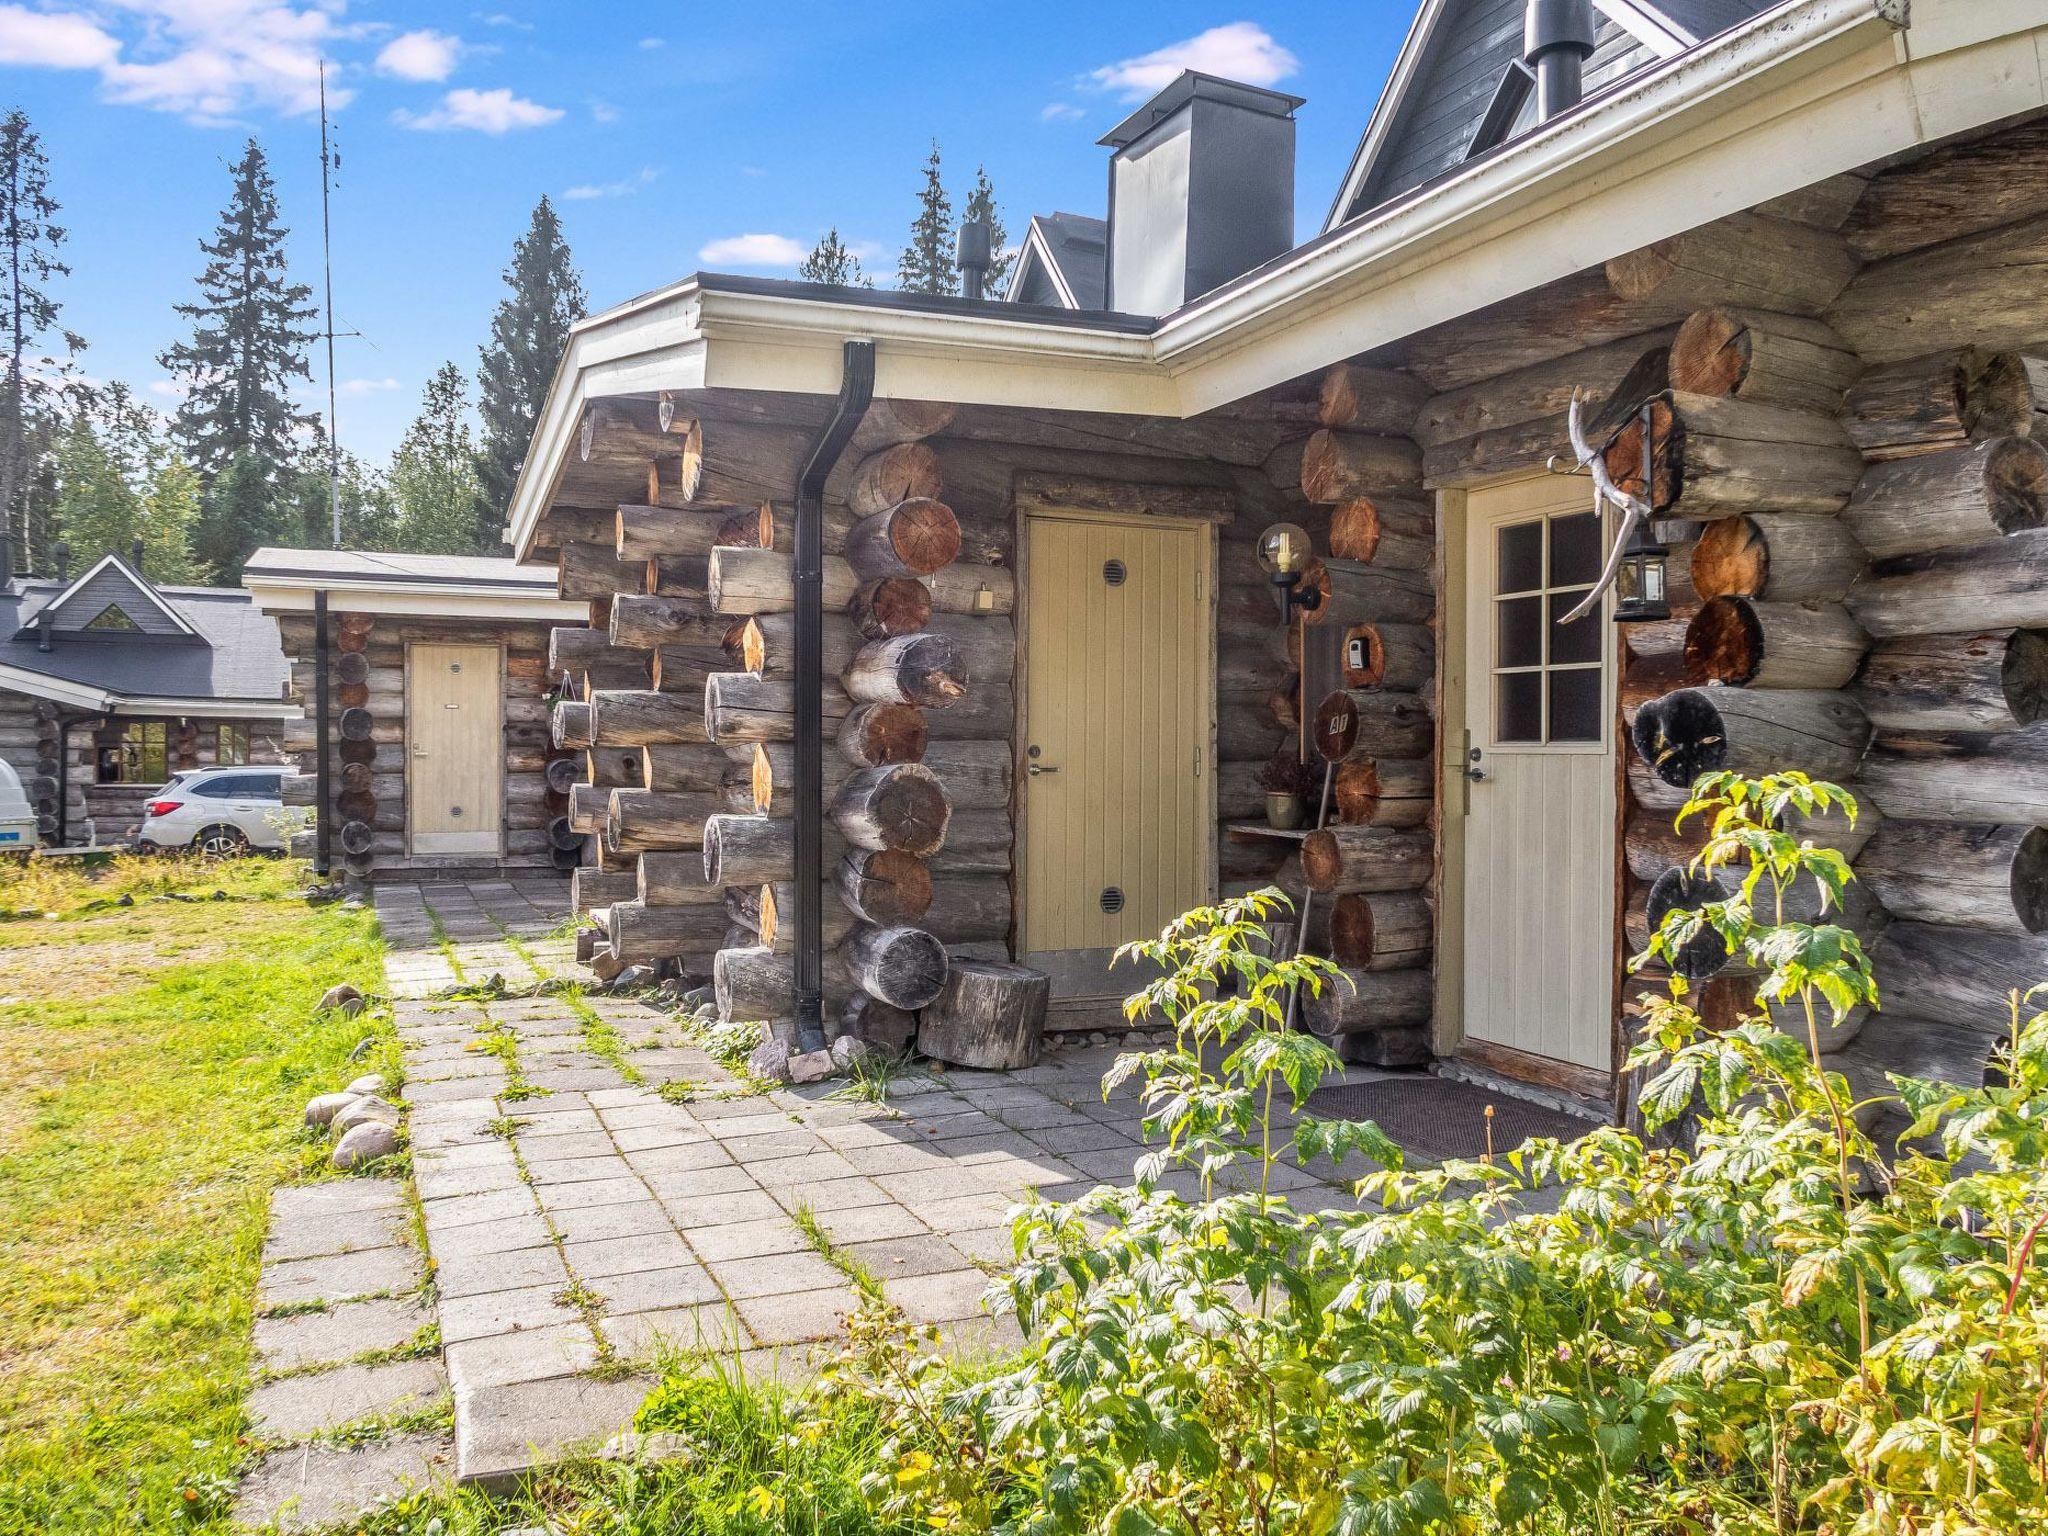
(1539, 768)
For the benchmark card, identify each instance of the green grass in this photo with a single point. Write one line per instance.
(601, 1036)
(153, 1060)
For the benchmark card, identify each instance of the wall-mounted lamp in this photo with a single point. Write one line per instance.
(1285, 554)
(1639, 593)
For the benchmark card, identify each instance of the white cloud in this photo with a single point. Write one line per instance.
(754, 251)
(649, 44)
(500, 19)
(1060, 112)
(603, 112)
(422, 55)
(1239, 50)
(492, 112)
(365, 386)
(625, 186)
(170, 389)
(44, 40)
(207, 60)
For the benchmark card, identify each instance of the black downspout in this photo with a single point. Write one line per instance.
(322, 830)
(856, 389)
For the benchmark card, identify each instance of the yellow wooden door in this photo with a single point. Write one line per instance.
(1539, 748)
(455, 751)
(1118, 814)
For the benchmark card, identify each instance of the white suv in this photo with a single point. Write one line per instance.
(222, 812)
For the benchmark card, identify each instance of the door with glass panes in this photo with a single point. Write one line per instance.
(1539, 766)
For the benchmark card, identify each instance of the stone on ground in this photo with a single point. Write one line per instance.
(362, 1112)
(368, 1083)
(770, 1060)
(321, 1110)
(850, 1054)
(810, 1066)
(343, 999)
(363, 1144)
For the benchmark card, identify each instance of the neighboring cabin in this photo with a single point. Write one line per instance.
(110, 683)
(1808, 240)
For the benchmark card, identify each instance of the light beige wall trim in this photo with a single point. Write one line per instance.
(1448, 1032)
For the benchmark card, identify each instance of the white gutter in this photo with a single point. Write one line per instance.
(206, 709)
(40, 685)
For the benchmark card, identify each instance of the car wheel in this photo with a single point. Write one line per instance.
(222, 843)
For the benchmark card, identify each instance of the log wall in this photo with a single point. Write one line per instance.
(367, 741)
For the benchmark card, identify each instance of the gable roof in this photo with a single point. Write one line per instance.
(1064, 260)
(227, 658)
(1451, 66)
(113, 582)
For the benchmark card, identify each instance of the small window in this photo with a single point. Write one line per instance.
(139, 755)
(112, 618)
(1547, 675)
(231, 745)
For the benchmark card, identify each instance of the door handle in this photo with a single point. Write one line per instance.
(1035, 769)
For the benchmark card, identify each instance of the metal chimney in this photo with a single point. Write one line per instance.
(1557, 39)
(972, 253)
(135, 554)
(1201, 190)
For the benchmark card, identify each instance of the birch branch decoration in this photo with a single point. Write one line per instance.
(1634, 509)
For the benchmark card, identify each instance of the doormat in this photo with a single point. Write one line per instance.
(1438, 1117)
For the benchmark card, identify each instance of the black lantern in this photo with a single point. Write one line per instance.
(1639, 593)
(1284, 552)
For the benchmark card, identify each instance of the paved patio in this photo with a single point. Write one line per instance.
(581, 1220)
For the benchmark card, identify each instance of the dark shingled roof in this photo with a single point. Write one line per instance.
(237, 654)
(1079, 247)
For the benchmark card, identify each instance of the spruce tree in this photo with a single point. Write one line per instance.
(248, 341)
(528, 334)
(433, 473)
(249, 503)
(97, 513)
(926, 265)
(37, 382)
(831, 262)
(170, 509)
(369, 514)
(981, 205)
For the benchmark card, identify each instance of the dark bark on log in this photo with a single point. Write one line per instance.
(642, 623)
(1723, 457)
(1960, 976)
(1990, 877)
(1982, 183)
(1987, 290)
(1927, 404)
(2002, 583)
(1750, 644)
(1340, 466)
(644, 718)
(1744, 260)
(1957, 777)
(1785, 559)
(1752, 732)
(1993, 681)
(901, 806)
(643, 935)
(1986, 490)
(1358, 1002)
(988, 1017)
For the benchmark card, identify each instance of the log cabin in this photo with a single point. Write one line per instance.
(960, 649)
(423, 735)
(111, 682)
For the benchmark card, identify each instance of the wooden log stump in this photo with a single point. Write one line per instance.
(739, 707)
(988, 1017)
(356, 725)
(1344, 859)
(648, 533)
(897, 605)
(925, 670)
(1394, 531)
(1744, 259)
(1377, 724)
(756, 984)
(1788, 559)
(1360, 398)
(1384, 792)
(1930, 404)
(1984, 490)
(976, 774)
(637, 820)
(1723, 457)
(2000, 584)
(641, 623)
(875, 734)
(884, 885)
(643, 717)
(674, 879)
(744, 581)
(913, 538)
(1751, 732)
(900, 806)
(904, 967)
(1750, 644)
(569, 725)
(1993, 681)
(643, 935)
(904, 472)
(1359, 1002)
(1339, 466)
(1386, 931)
(1994, 878)
(692, 765)
(1764, 358)
(591, 888)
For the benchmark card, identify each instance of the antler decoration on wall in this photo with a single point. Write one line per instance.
(1634, 509)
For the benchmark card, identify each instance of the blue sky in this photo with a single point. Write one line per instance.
(672, 137)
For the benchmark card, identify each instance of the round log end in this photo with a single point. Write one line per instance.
(2017, 473)
(1732, 558)
(1357, 790)
(925, 535)
(1322, 863)
(886, 733)
(2030, 880)
(1998, 398)
(1678, 890)
(1355, 529)
(1724, 643)
(2024, 676)
(1336, 727)
(1625, 455)
(1374, 671)
(896, 605)
(1710, 355)
(1351, 931)
(1680, 736)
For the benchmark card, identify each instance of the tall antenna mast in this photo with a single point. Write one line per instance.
(327, 269)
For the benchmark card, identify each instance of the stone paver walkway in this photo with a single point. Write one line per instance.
(598, 1191)
(338, 1339)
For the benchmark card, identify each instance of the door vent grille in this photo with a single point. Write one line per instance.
(1112, 900)
(1114, 572)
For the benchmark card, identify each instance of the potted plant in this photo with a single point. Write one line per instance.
(1288, 783)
